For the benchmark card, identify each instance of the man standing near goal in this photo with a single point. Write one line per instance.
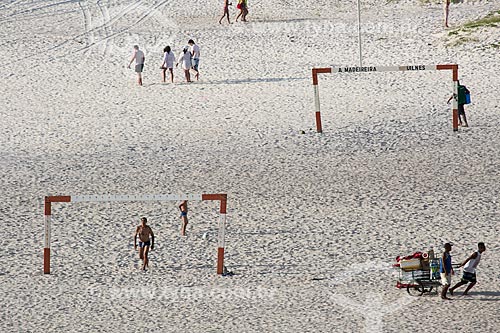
(183, 207)
(144, 231)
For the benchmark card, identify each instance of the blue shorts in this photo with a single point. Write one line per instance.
(469, 277)
(143, 244)
(184, 214)
(196, 62)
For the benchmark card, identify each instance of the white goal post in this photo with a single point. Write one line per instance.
(365, 69)
(222, 198)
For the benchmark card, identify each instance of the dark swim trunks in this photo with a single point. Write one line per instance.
(139, 68)
(143, 244)
(469, 277)
(184, 214)
(461, 110)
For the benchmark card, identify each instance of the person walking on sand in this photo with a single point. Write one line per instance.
(168, 64)
(462, 100)
(185, 59)
(470, 264)
(145, 243)
(183, 207)
(446, 12)
(226, 12)
(243, 7)
(446, 270)
(139, 58)
(195, 56)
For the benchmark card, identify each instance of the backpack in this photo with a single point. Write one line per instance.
(463, 95)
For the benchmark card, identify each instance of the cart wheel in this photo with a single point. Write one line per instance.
(415, 290)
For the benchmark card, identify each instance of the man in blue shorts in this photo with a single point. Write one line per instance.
(183, 207)
(145, 243)
(446, 270)
(470, 264)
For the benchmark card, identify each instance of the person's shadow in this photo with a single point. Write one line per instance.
(491, 296)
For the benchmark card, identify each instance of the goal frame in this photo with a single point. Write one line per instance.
(222, 198)
(365, 69)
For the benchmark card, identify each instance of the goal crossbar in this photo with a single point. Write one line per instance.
(368, 69)
(222, 198)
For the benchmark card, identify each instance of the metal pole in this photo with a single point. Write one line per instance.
(359, 34)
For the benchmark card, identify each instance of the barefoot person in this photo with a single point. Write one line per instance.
(470, 264)
(168, 64)
(195, 56)
(183, 207)
(144, 231)
(242, 6)
(461, 100)
(446, 270)
(139, 58)
(446, 12)
(226, 12)
(185, 59)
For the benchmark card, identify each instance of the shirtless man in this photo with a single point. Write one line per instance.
(144, 231)
(183, 207)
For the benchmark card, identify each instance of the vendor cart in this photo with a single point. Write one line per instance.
(419, 276)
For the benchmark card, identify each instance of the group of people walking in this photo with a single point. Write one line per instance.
(188, 58)
(242, 6)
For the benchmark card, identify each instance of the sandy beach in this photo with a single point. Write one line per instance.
(314, 221)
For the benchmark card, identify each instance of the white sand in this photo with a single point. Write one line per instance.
(314, 221)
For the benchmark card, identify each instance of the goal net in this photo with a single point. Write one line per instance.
(49, 200)
(369, 69)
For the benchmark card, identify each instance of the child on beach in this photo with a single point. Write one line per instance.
(185, 58)
(168, 64)
(183, 207)
(226, 11)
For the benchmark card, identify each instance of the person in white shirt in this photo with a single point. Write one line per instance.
(139, 58)
(470, 264)
(168, 64)
(195, 54)
(185, 59)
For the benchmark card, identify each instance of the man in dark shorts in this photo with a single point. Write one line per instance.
(144, 231)
(139, 58)
(470, 264)
(446, 270)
